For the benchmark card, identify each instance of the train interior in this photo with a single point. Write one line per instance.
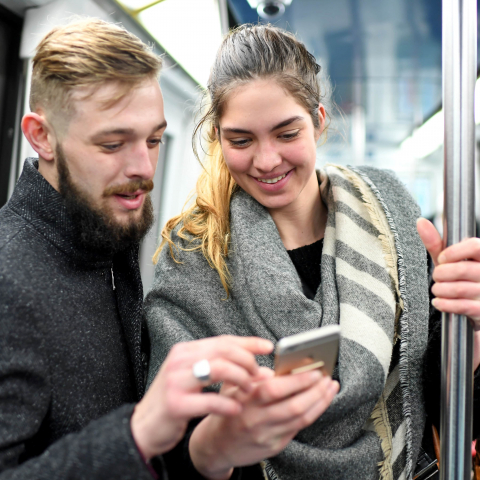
(381, 71)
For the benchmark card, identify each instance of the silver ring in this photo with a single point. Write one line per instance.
(201, 370)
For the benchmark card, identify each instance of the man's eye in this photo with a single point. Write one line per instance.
(111, 147)
(153, 142)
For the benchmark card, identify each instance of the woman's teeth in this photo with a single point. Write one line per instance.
(272, 180)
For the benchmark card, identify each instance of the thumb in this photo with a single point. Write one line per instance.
(431, 238)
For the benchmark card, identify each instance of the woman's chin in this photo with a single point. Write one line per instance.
(273, 203)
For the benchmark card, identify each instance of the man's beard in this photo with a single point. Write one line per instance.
(97, 227)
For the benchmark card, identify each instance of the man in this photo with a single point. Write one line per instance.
(71, 362)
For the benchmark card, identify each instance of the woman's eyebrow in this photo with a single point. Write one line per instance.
(287, 122)
(235, 130)
(284, 123)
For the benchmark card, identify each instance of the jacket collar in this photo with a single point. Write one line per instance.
(44, 208)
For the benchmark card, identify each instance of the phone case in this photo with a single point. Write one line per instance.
(305, 351)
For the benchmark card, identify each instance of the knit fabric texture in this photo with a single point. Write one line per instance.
(70, 357)
(187, 301)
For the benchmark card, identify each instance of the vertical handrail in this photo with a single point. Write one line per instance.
(223, 12)
(459, 74)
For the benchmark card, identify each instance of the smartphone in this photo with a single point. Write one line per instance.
(305, 351)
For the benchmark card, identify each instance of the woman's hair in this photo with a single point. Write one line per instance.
(248, 53)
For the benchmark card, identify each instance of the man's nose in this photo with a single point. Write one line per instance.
(142, 162)
(266, 158)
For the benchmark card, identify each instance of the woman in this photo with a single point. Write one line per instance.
(271, 248)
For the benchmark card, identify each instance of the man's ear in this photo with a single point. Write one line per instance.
(321, 119)
(39, 134)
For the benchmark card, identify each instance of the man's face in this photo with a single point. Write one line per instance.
(107, 158)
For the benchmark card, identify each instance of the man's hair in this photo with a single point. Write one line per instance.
(87, 53)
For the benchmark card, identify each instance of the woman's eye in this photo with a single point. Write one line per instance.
(240, 143)
(289, 135)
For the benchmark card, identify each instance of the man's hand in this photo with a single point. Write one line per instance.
(456, 276)
(175, 396)
(273, 413)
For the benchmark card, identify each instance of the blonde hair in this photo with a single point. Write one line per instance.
(246, 54)
(87, 53)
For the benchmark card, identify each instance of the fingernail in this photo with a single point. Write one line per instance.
(267, 343)
(335, 386)
(435, 302)
(315, 375)
(442, 258)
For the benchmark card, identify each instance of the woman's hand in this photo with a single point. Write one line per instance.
(273, 413)
(456, 276)
(175, 396)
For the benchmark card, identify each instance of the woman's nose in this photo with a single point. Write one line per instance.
(266, 158)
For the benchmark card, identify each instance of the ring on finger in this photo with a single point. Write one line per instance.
(201, 370)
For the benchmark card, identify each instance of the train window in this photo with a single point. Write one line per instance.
(10, 82)
(150, 242)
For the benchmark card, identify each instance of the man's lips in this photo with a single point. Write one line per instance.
(130, 195)
(130, 201)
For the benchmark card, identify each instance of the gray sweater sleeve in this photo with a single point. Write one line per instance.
(186, 292)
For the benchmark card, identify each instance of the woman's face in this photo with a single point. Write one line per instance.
(269, 144)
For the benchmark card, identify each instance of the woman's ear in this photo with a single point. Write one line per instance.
(321, 120)
(39, 134)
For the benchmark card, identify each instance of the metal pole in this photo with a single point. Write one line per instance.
(223, 11)
(459, 75)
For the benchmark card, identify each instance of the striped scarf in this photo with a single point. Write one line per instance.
(373, 284)
(360, 281)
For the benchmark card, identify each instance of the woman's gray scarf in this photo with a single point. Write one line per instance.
(373, 427)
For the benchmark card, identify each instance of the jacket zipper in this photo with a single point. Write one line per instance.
(113, 279)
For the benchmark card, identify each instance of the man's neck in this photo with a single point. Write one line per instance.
(49, 172)
(304, 221)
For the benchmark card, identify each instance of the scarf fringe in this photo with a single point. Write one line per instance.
(403, 365)
(382, 427)
(387, 239)
(268, 471)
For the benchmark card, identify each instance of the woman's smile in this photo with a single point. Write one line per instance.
(269, 143)
(275, 183)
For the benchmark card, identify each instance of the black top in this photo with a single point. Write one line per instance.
(307, 261)
(70, 357)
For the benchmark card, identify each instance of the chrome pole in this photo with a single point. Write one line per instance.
(459, 76)
(223, 12)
